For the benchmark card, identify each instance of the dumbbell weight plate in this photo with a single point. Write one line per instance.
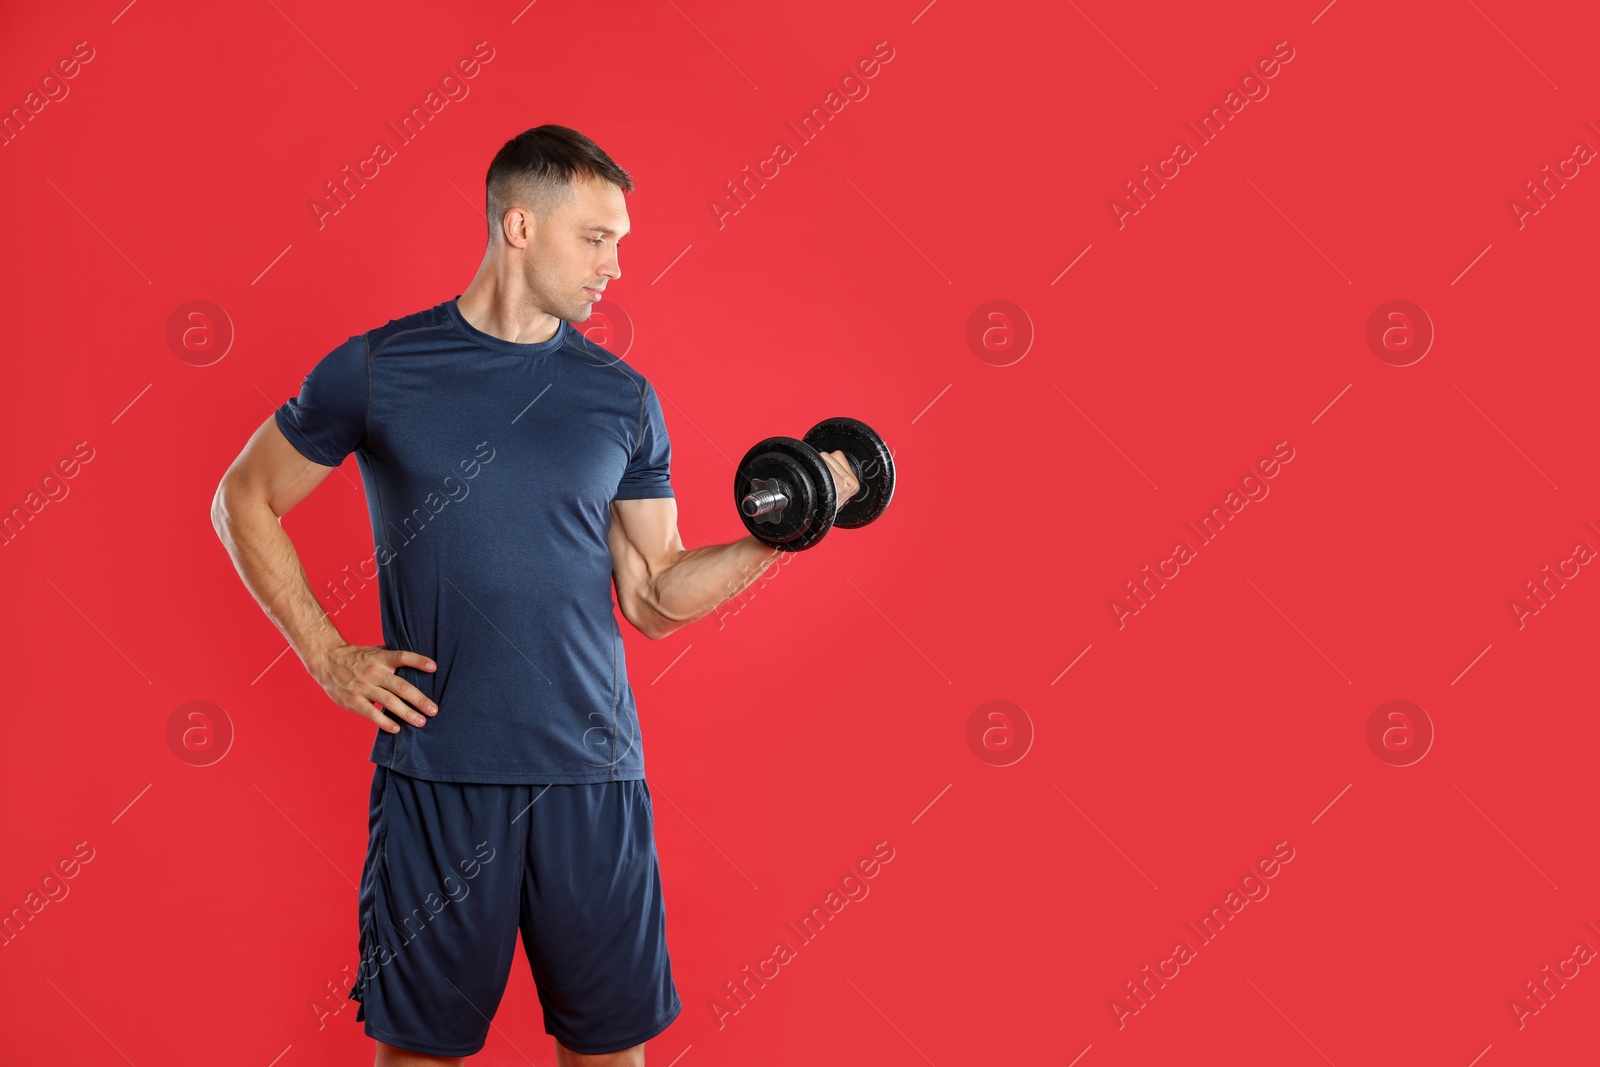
(809, 513)
(876, 467)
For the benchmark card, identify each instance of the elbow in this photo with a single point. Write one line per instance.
(654, 626)
(219, 508)
(648, 619)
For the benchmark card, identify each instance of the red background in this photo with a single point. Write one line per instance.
(832, 712)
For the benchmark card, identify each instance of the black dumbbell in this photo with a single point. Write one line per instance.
(785, 491)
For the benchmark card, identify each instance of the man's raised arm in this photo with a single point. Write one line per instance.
(662, 586)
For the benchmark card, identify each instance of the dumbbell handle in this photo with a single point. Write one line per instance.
(763, 501)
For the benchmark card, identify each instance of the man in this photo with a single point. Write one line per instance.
(514, 471)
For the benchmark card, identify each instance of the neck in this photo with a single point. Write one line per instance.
(505, 309)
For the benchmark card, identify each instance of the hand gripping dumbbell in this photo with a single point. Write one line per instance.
(785, 491)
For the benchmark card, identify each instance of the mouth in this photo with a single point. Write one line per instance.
(594, 294)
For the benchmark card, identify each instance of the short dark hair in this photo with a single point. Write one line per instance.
(536, 168)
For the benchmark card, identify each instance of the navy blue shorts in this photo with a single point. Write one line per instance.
(455, 869)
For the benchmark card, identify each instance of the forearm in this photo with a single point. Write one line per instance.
(270, 567)
(700, 579)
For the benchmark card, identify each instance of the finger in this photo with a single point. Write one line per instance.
(409, 693)
(844, 475)
(401, 710)
(402, 658)
(372, 711)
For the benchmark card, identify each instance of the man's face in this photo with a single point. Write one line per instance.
(574, 251)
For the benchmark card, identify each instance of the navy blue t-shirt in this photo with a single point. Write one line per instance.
(490, 467)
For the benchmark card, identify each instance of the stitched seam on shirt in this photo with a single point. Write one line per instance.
(640, 389)
(640, 439)
(366, 416)
(616, 635)
(414, 329)
(372, 353)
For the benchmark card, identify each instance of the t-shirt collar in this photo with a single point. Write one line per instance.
(500, 344)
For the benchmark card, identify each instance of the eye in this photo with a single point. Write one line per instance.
(595, 240)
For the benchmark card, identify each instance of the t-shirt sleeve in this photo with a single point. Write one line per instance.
(328, 420)
(649, 473)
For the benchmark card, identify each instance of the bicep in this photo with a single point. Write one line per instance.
(644, 538)
(272, 470)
